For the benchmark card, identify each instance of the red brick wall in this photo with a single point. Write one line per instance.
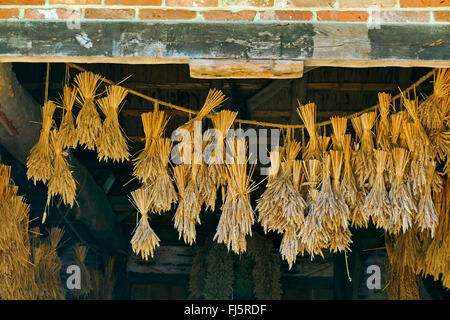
(390, 11)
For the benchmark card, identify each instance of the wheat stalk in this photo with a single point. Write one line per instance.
(67, 127)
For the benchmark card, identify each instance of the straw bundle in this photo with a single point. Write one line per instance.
(39, 162)
(89, 124)
(144, 240)
(146, 164)
(111, 144)
(237, 214)
(61, 182)
(86, 281)
(67, 127)
(377, 203)
(162, 191)
(308, 115)
(349, 190)
(213, 101)
(189, 207)
(383, 132)
(403, 205)
(364, 157)
(396, 126)
(339, 127)
(427, 217)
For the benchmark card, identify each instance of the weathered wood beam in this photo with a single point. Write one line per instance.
(266, 93)
(318, 44)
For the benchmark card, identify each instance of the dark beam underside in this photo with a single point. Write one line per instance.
(142, 42)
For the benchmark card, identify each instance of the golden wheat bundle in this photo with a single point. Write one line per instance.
(147, 162)
(339, 232)
(396, 121)
(86, 281)
(162, 191)
(237, 216)
(111, 143)
(427, 217)
(89, 123)
(377, 202)
(412, 106)
(364, 157)
(402, 202)
(349, 190)
(437, 256)
(62, 182)
(40, 160)
(144, 240)
(188, 210)
(222, 122)
(67, 125)
(339, 127)
(383, 130)
(214, 99)
(308, 115)
(290, 245)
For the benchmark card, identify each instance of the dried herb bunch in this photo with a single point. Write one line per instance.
(403, 205)
(89, 123)
(40, 160)
(144, 240)
(67, 126)
(62, 182)
(111, 143)
(237, 216)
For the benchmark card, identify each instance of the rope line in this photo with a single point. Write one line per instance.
(260, 123)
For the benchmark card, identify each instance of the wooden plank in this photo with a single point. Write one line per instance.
(338, 44)
(267, 92)
(245, 69)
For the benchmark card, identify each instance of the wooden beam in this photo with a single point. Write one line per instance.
(318, 44)
(266, 93)
(245, 69)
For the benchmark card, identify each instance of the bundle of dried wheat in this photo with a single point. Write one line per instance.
(377, 202)
(403, 204)
(189, 207)
(61, 182)
(67, 127)
(144, 240)
(349, 190)
(111, 144)
(89, 123)
(237, 214)
(427, 217)
(396, 126)
(146, 164)
(162, 191)
(222, 122)
(338, 220)
(364, 157)
(308, 115)
(40, 160)
(339, 127)
(86, 282)
(383, 130)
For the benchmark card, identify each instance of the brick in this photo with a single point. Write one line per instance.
(424, 3)
(191, 3)
(442, 16)
(109, 14)
(404, 16)
(366, 3)
(23, 2)
(76, 2)
(51, 14)
(307, 3)
(133, 2)
(149, 14)
(287, 15)
(344, 16)
(221, 15)
(248, 3)
(9, 13)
